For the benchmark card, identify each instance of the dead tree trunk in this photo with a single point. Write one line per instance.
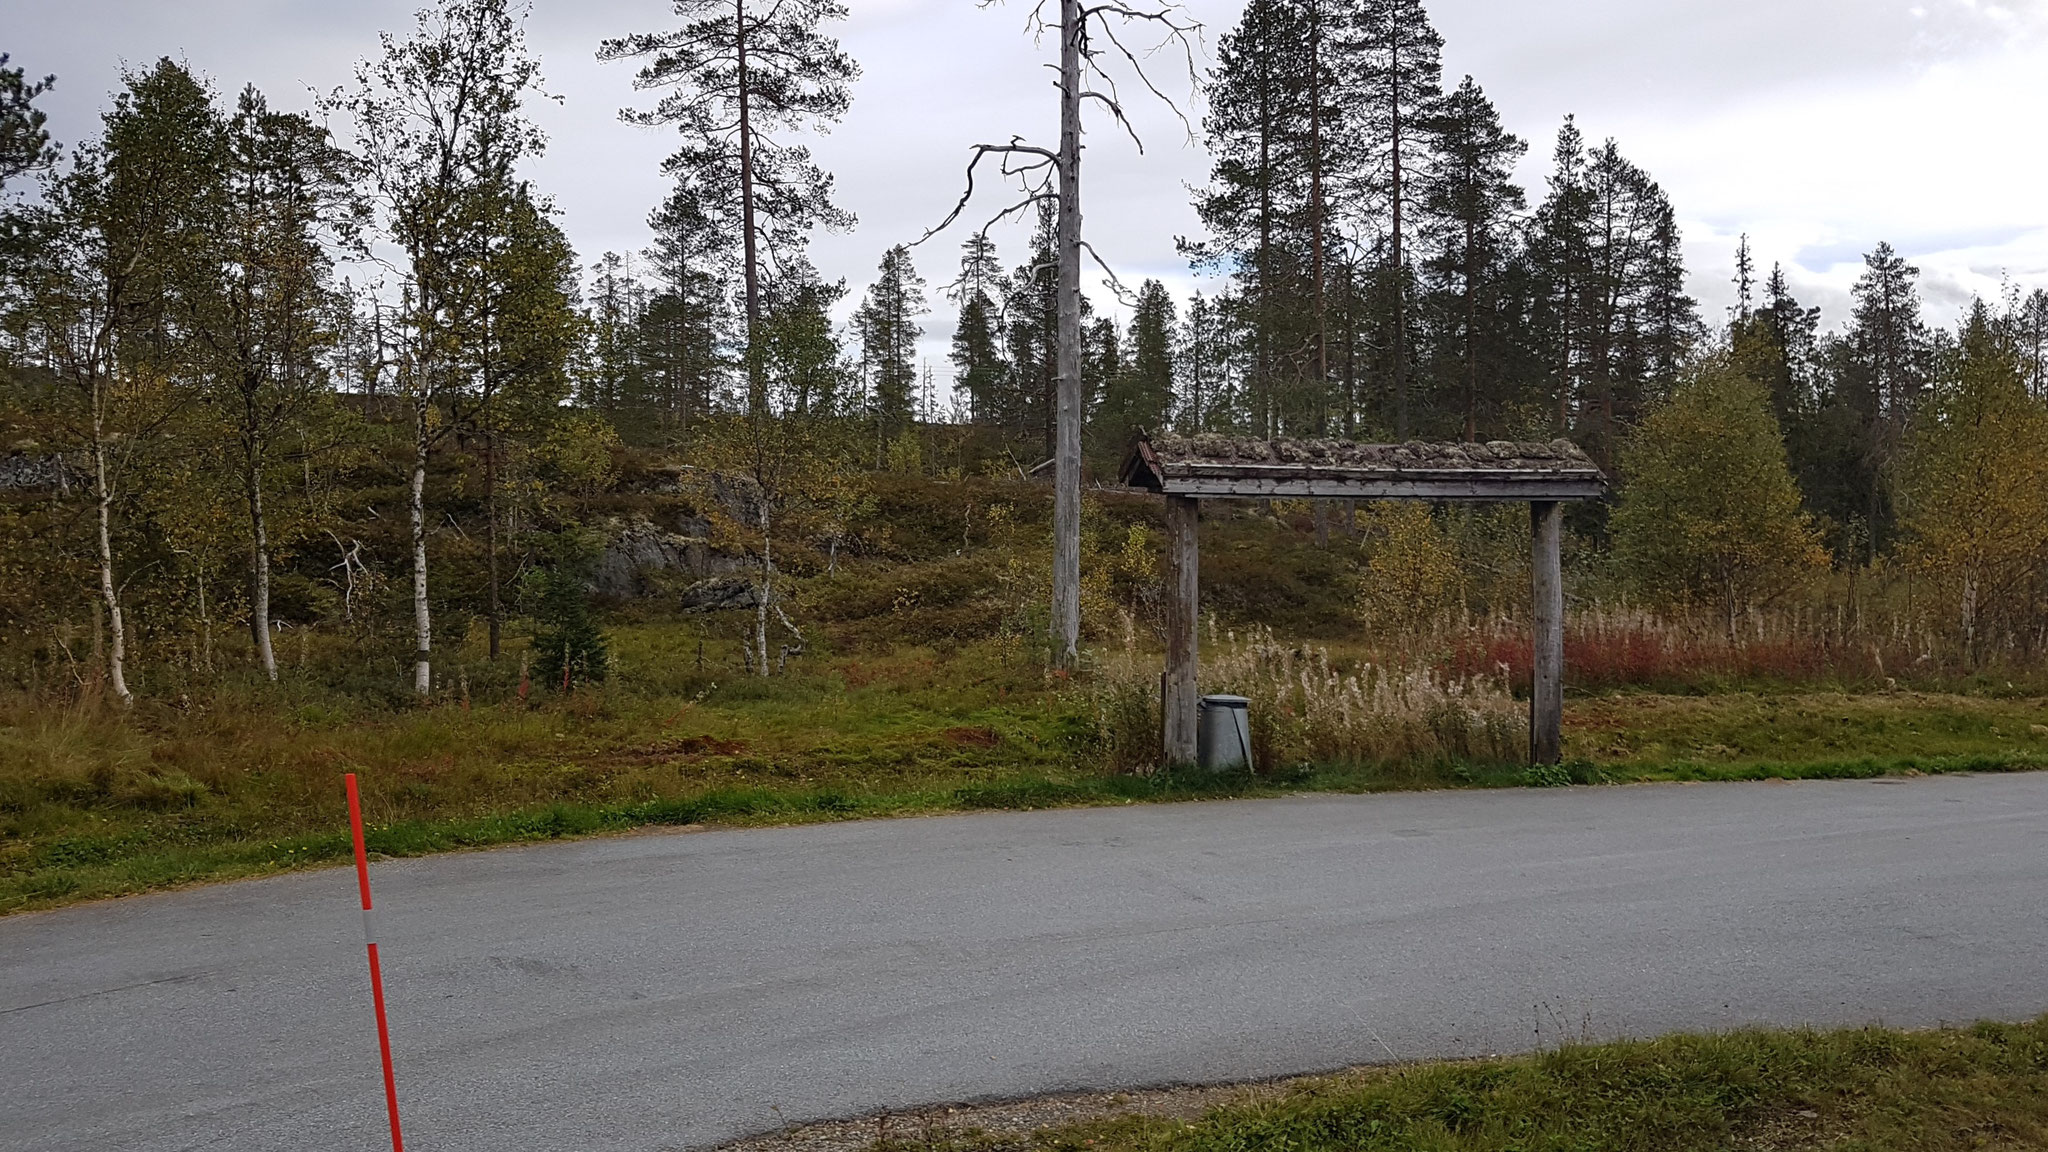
(1066, 563)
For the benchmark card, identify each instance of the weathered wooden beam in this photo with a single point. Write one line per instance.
(1546, 694)
(1180, 693)
(1478, 490)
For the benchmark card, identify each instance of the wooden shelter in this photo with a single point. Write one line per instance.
(1190, 469)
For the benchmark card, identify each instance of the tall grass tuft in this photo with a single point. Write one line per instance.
(1307, 709)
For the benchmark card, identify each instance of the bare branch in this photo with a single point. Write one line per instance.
(1013, 148)
(1123, 293)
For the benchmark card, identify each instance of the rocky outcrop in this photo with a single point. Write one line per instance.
(22, 472)
(638, 553)
(719, 594)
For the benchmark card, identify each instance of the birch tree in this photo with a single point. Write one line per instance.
(440, 124)
(105, 293)
(269, 315)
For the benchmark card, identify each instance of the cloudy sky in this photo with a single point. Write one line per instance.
(1818, 127)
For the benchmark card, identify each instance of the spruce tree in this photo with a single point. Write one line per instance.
(1472, 207)
(1203, 350)
(887, 322)
(610, 378)
(1138, 391)
(800, 349)
(1031, 337)
(979, 373)
(742, 76)
(1615, 317)
(1880, 369)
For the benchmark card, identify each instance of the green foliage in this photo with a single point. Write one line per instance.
(24, 142)
(1871, 1089)
(1413, 576)
(569, 648)
(1974, 491)
(1710, 513)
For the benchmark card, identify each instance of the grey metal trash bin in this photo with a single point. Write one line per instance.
(1223, 734)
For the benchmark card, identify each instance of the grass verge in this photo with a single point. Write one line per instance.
(94, 804)
(1867, 1090)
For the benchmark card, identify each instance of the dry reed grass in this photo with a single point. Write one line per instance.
(1308, 709)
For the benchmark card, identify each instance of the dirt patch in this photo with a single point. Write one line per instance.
(688, 747)
(973, 737)
(1004, 1126)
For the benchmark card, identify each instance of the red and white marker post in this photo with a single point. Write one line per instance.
(355, 820)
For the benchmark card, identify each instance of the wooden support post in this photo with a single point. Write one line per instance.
(1546, 691)
(1180, 695)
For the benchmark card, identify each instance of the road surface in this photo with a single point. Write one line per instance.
(676, 990)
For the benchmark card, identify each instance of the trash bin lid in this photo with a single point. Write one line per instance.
(1225, 702)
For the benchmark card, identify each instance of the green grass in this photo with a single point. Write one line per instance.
(1861, 1090)
(247, 781)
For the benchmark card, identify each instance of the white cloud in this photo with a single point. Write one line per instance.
(1818, 126)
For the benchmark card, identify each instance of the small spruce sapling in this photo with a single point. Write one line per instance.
(568, 646)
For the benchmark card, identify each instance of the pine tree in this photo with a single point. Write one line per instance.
(1394, 56)
(1472, 204)
(24, 141)
(1260, 201)
(887, 322)
(742, 74)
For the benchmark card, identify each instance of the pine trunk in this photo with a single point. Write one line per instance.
(767, 592)
(757, 388)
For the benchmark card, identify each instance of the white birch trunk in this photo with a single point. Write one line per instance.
(422, 618)
(259, 579)
(117, 629)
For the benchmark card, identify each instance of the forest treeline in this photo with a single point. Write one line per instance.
(245, 351)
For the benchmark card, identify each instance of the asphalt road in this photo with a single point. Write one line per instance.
(672, 991)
